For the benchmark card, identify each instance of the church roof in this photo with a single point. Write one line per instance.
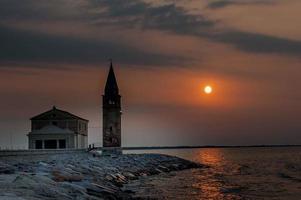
(111, 87)
(56, 113)
(51, 129)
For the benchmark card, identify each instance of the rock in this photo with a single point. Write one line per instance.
(25, 181)
(143, 174)
(42, 179)
(122, 179)
(165, 169)
(129, 175)
(43, 164)
(157, 171)
(109, 177)
(110, 190)
(52, 193)
(98, 191)
(23, 167)
(76, 190)
(6, 169)
(6, 179)
(60, 176)
(10, 196)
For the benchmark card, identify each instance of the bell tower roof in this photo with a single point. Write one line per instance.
(111, 87)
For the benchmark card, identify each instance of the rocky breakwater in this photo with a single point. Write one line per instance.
(80, 175)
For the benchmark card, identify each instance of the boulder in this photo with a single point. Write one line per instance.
(10, 196)
(61, 176)
(6, 169)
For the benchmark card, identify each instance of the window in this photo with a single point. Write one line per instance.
(50, 144)
(39, 144)
(62, 144)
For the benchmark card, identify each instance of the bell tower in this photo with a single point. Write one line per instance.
(111, 112)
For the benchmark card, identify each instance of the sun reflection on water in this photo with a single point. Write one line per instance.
(204, 183)
(208, 183)
(211, 157)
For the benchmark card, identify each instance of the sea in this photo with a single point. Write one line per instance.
(230, 173)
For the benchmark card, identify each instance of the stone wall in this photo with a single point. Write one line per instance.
(31, 152)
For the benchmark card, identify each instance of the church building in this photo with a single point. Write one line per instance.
(58, 129)
(111, 112)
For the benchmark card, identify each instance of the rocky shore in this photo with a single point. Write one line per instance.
(80, 175)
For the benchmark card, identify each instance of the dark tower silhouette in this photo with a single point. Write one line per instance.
(111, 112)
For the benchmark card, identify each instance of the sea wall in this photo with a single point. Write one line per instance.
(30, 152)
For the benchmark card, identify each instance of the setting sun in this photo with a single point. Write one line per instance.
(208, 89)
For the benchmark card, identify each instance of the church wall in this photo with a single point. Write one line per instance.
(70, 124)
(82, 141)
(82, 127)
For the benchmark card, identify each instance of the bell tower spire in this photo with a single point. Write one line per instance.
(111, 111)
(111, 84)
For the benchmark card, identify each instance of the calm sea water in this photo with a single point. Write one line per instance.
(233, 173)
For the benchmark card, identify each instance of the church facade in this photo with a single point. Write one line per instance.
(58, 129)
(111, 112)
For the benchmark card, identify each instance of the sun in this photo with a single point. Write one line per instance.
(208, 89)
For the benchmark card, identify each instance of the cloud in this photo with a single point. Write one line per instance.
(225, 3)
(176, 20)
(258, 43)
(147, 16)
(42, 10)
(17, 45)
(135, 14)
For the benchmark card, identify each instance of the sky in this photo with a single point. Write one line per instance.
(164, 53)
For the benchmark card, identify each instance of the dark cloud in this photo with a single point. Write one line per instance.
(258, 43)
(19, 45)
(24, 45)
(170, 17)
(176, 20)
(41, 10)
(224, 3)
(220, 4)
(146, 16)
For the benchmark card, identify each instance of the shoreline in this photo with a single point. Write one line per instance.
(207, 146)
(30, 152)
(7, 150)
(80, 175)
